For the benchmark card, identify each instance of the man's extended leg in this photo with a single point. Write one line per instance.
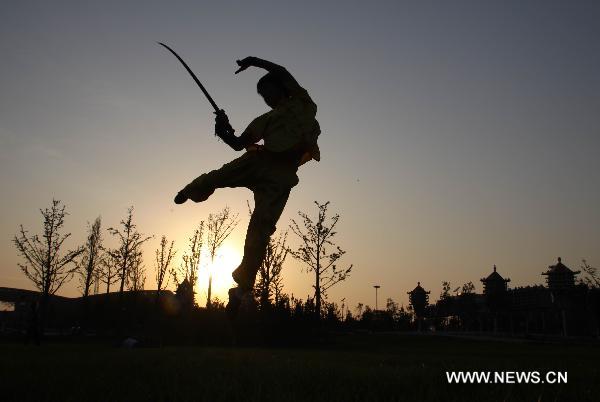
(240, 172)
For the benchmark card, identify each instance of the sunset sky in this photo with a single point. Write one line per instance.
(455, 135)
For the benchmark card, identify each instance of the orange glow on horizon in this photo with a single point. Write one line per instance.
(226, 260)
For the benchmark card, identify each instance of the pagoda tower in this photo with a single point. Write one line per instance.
(494, 284)
(560, 277)
(419, 299)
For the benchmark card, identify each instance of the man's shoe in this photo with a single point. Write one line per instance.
(180, 198)
(240, 277)
(236, 299)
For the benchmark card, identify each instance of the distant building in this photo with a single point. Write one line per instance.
(560, 277)
(562, 307)
(495, 292)
(494, 283)
(419, 299)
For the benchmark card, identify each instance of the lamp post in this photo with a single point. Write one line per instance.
(376, 289)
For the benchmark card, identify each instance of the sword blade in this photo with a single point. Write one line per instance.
(210, 99)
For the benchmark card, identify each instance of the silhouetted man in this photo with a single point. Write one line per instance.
(289, 132)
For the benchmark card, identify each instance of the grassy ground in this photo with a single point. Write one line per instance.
(377, 367)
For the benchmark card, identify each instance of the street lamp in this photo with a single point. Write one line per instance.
(376, 289)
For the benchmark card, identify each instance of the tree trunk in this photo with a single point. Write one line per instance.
(87, 287)
(124, 268)
(209, 291)
(318, 280)
(318, 295)
(122, 280)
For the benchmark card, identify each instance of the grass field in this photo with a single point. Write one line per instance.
(366, 367)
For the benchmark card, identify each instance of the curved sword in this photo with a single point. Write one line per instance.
(210, 99)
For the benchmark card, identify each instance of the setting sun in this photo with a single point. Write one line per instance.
(227, 259)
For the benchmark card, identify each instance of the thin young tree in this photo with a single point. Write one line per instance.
(277, 284)
(137, 274)
(108, 273)
(359, 310)
(128, 255)
(219, 227)
(445, 290)
(269, 282)
(45, 265)
(164, 257)
(187, 271)
(468, 288)
(591, 277)
(91, 259)
(315, 251)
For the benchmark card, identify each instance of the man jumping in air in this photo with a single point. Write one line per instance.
(290, 133)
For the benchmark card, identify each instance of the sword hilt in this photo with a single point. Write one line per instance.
(224, 120)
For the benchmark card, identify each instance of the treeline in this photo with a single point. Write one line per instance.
(103, 270)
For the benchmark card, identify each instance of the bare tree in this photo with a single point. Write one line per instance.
(315, 251)
(108, 273)
(591, 278)
(188, 270)
(468, 288)
(219, 227)
(45, 266)
(91, 258)
(128, 255)
(269, 281)
(445, 290)
(392, 308)
(137, 274)
(277, 282)
(359, 310)
(164, 256)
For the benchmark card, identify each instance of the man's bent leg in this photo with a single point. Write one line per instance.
(268, 205)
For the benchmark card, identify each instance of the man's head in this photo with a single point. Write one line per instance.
(271, 89)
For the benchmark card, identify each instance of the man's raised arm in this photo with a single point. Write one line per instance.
(288, 81)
